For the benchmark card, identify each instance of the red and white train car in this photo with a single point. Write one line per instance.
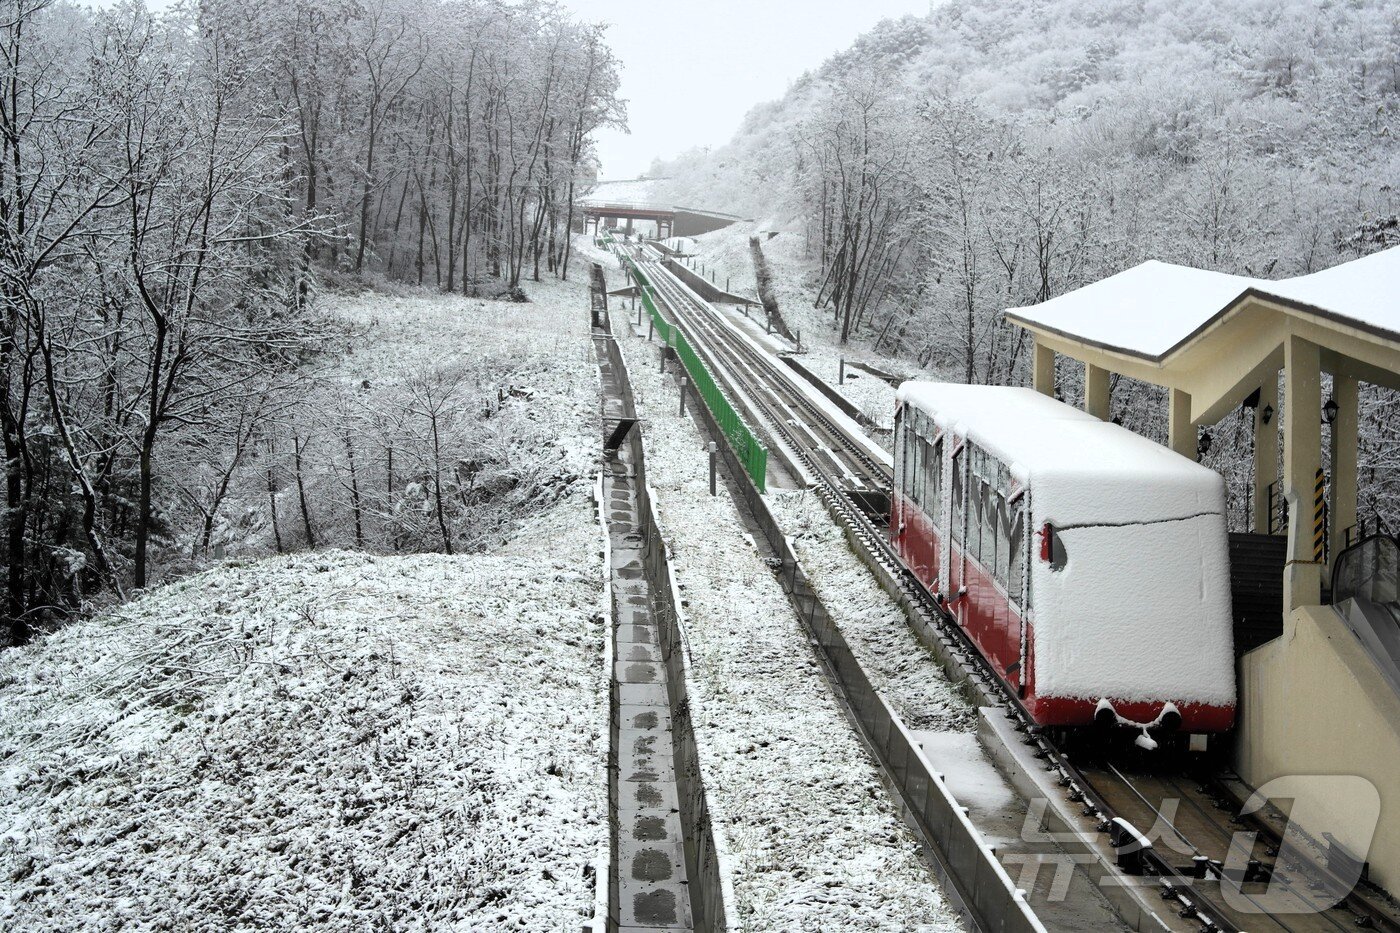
(1089, 565)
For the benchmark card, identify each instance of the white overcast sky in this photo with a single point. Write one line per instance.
(691, 69)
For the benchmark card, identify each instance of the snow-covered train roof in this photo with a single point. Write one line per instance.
(1083, 470)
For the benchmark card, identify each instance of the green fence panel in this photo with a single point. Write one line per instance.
(752, 454)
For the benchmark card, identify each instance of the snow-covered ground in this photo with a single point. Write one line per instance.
(815, 841)
(330, 740)
(514, 388)
(898, 665)
(323, 741)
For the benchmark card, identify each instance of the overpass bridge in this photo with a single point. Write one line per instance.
(627, 203)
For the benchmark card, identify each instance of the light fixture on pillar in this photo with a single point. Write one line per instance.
(1203, 444)
(1329, 411)
(1267, 414)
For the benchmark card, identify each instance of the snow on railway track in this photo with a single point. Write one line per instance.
(814, 841)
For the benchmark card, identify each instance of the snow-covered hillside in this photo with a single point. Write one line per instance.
(332, 740)
(325, 741)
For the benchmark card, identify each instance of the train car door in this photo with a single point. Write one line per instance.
(957, 530)
(1017, 592)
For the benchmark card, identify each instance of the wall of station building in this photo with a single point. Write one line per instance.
(1313, 703)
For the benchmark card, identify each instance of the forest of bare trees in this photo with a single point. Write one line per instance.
(987, 156)
(175, 188)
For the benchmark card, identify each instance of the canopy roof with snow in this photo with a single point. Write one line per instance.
(1155, 309)
(1209, 333)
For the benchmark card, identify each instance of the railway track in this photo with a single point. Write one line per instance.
(855, 487)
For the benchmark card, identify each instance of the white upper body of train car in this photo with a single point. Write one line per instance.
(1089, 564)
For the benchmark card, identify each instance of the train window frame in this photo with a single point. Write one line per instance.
(1016, 583)
(935, 509)
(916, 469)
(1003, 543)
(911, 432)
(959, 497)
(988, 545)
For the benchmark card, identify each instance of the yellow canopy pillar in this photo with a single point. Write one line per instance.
(1265, 451)
(1181, 433)
(1096, 394)
(1302, 461)
(1345, 444)
(1043, 370)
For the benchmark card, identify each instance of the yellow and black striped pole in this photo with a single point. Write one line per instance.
(1319, 517)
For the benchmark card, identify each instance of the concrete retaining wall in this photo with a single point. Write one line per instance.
(703, 287)
(709, 879)
(1313, 702)
(836, 398)
(694, 223)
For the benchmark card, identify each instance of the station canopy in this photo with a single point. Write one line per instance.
(1171, 324)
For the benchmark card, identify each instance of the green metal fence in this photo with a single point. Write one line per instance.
(752, 454)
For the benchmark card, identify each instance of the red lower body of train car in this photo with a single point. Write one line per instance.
(985, 613)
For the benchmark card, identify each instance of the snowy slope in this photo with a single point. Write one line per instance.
(333, 741)
(321, 742)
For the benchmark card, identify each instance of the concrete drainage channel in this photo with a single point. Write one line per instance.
(666, 868)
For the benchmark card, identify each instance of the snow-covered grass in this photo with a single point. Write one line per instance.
(332, 740)
(513, 391)
(898, 665)
(815, 841)
(324, 741)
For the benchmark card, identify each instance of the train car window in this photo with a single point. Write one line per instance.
(1017, 546)
(980, 517)
(959, 505)
(989, 528)
(916, 471)
(935, 482)
(925, 455)
(1003, 569)
(910, 439)
(986, 547)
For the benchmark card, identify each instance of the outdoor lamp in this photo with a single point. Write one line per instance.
(1268, 413)
(1329, 411)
